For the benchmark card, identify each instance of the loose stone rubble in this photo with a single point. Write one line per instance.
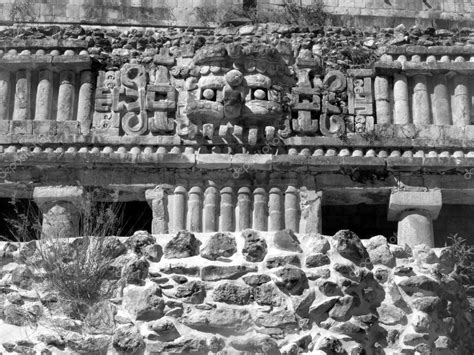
(215, 293)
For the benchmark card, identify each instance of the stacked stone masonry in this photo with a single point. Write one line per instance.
(246, 292)
(236, 138)
(183, 13)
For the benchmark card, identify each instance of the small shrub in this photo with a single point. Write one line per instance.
(287, 13)
(464, 256)
(76, 270)
(22, 11)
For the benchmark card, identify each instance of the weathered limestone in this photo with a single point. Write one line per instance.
(84, 105)
(157, 198)
(260, 209)
(61, 206)
(292, 216)
(461, 102)
(66, 96)
(382, 99)
(211, 217)
(275, 207)
(44, 96)
(401, 112)
(244, 206)
(195, 209)
(179, 209)
(310, 221)
(226, 210)
(4, 95)
(21, 110)
(415, 212)
(421, 101)
(440, 101)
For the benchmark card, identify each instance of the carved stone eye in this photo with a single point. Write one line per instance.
(260, 94)
(234, 77)
(208, 94)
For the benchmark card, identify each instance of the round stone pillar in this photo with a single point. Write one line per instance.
(415, 212)
(61, 207)
(415, 227)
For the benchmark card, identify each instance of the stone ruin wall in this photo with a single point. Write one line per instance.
(182, 13)
(230, 129)
(245, 293)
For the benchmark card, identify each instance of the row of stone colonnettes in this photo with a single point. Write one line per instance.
(228, 210)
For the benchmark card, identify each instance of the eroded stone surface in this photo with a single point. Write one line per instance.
(339, 300)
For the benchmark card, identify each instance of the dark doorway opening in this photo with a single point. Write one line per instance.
(136, 215)
(363, 219)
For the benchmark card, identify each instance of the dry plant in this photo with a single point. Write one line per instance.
(288, 13)
(463, 253)
(78, 271)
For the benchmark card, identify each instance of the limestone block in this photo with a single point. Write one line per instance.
(430, 202)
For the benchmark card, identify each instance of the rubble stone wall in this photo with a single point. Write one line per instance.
(249, 292)
(176, 12)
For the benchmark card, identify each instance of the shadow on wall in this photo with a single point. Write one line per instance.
(133, 216)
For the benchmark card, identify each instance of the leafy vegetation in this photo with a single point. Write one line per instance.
(463, 253)
(288, 13)
(22, 11)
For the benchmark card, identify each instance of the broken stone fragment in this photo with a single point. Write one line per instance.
(256, 280)
(329, 288)
(221, 272)
(277, 261)
(191, 292)
(112, 247)
(232, 294)
(302, 304)
(139, 240)
(256, 344)
(348, 244)
(135, 271)
(221, 319)
(22, 277)
(153, 252)
(184, 345)
(419, 283)
(292, 280)
(255, 247)
(128, 339)
(164, 329)
(278, 318)
(15, 315)
(143, 302)
(183, 245)
(287, 240)
(340, 310)
(424, 254)
(316, 260)
(379, 251)
(180, 268)
(390, 315)
(317, 243)
(219, 245)
(269, 294)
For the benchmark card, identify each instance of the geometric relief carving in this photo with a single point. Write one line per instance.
(361, 104)
(360, 96)
(125, 100)
(315, 101)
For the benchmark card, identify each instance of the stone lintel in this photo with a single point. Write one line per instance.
(427, 202)
(44, 195)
